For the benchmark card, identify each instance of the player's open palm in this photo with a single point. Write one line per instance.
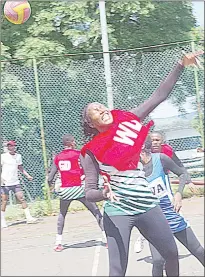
(30, 178)
(192, 58)
(193, 188)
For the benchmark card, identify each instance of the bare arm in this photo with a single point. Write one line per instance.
(25, 173)
(169, 165)
(52, 173)
(160, 95)
(91, 171)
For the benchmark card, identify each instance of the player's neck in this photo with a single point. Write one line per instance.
(68, 148)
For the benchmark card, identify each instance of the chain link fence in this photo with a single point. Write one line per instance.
(65, 85)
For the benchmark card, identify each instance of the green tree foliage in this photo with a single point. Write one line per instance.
(19, 115)
(61, 27)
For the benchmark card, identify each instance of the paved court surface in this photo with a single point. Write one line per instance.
(27, 250)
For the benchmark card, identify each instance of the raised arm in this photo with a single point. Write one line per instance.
(91, 171)
(165, 88)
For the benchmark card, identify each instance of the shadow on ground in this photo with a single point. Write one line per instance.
(148, 259)
(89, 243)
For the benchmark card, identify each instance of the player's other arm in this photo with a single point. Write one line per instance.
(25, 173)
(91, 170)
(20, 168)
(52, 173)
(177, 161)
(169, 165)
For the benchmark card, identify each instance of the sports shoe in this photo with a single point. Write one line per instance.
(32, 220)
(104, 239)
(139, 244)
(58, 248)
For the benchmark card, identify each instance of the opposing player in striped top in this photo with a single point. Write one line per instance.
(67, 163)
(116, 141)
(156, 166)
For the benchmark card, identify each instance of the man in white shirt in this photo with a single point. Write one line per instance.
(11, 162)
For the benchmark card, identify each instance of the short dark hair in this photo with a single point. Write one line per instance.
(67, 139)
(161, 133)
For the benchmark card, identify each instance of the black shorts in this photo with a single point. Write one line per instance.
(6, 189)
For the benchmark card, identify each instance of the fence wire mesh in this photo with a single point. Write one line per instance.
(67, 85)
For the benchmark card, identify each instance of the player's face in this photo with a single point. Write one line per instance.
(100, 116)
(11, 149)
(157, 141)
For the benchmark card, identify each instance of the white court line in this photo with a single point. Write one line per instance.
(96, 257)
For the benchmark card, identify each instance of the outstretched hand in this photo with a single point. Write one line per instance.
(194, 189)
(191, 58)
(29, 177)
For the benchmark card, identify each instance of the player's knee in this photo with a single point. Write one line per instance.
(172, 252)
(117, 271)
(158, 261)
(62, 215)
(4, 201)
(118, 266)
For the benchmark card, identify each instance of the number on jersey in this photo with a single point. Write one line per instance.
(158, 187)
(64, 165)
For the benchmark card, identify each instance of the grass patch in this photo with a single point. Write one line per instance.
(187, 193)
(39, 208)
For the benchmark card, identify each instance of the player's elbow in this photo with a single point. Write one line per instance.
(93, 195)
(89, 195)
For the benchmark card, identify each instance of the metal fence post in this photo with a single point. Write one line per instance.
(198, 102)
(43, 144)
(106, 55)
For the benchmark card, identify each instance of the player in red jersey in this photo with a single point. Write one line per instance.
(115, 141)
(67, 163)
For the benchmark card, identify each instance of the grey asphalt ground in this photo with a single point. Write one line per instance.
(27, 250)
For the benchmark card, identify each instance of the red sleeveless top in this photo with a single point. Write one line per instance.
(121, 144)
(167, 150)
(67, 163)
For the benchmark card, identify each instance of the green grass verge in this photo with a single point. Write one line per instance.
(39, 208)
